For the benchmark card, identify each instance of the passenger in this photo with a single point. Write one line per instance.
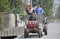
(39, 13)
(29, 11)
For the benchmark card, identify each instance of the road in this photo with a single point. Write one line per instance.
(53, 32)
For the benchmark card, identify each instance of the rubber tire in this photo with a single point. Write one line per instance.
(45, 31)
(40, 34)
(25, 34)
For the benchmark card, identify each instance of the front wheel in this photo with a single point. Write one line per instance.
(40, 34)
(45, 31)
(25, 34)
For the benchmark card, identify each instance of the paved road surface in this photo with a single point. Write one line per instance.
(53, 32)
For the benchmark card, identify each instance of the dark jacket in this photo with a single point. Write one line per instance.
(32, 18)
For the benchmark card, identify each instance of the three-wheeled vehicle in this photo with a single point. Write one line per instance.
(32, 27)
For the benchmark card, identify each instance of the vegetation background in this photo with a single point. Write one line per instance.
(17, 7)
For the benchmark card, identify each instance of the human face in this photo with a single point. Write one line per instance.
(33, 14)
(31, 6)
(38, 6)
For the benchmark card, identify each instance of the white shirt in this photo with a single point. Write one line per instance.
(30, 11)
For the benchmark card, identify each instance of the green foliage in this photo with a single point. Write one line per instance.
(58, 12)
(34, 2)
(17, 7)
(21, 15)
(47, 6)
(13, 3)
(0, 20)
(17, 10)
(4, 6)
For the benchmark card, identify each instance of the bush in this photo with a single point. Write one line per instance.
(46, 5)
(58, 12)
(4, 6)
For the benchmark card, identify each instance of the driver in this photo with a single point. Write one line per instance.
(32, 17)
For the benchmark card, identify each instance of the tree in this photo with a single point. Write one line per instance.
(4, 6)
(58, 12)
(0, 22)
(46, 5)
